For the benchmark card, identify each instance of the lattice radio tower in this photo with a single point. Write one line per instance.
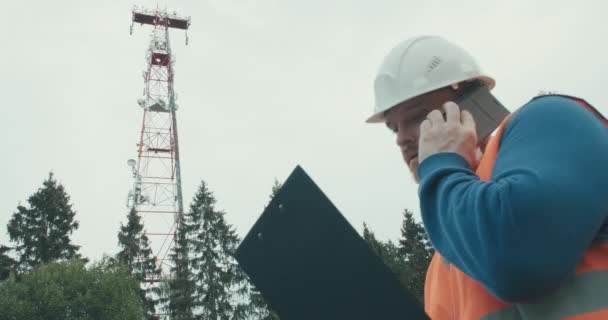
(157, 192)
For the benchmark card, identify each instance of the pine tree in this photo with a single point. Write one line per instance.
(258, 308)
(417, 251)
(138, 258)
(7, 264)
(220, 287)
(181, 288)
(41, 232)
(377, 246)
(276, 186)
(388, 252)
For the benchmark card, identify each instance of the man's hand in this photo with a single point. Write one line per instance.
(456, 133)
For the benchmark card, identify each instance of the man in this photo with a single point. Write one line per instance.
(519, 223)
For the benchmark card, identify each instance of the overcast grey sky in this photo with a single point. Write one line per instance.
(263, 86)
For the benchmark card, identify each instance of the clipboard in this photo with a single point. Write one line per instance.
(310, 263)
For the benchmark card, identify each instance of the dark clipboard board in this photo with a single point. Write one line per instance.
(310, 263)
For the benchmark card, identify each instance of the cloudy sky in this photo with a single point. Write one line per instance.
(263, 86)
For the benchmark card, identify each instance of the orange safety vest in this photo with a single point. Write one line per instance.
(451, 294)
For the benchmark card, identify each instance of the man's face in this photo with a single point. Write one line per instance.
(405, 119)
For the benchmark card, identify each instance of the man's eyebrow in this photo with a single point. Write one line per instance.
(415, 108)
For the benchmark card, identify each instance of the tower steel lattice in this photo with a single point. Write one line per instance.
(157, 192)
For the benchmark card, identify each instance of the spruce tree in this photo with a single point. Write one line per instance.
(138, 258)
(258, 308)
(7, 264)
(181, 302)
(276, 186)
(41, 232)
(417, 251)
(220, 287)
(388, 252)
(370, 238)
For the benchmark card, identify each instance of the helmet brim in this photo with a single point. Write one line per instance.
(379, 116)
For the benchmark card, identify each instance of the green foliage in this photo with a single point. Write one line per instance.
(387, 251)
(213, 283)
(180, 290)
(214, 244)
(258, 308)
(7, 264)
(276, 186)
(416, 249)
(137, 256)
(69, 291)
(41, 232)
(409, 258)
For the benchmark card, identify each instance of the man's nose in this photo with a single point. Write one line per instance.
(407, 136)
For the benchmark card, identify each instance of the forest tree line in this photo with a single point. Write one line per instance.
(44, 276)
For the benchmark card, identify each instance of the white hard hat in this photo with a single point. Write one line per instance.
(420, 65)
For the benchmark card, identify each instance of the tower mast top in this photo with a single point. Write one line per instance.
(159, 17)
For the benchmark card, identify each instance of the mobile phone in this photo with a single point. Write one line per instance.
(487, 111)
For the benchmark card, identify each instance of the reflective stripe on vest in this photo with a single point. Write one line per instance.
(585, 292)
(451, 294)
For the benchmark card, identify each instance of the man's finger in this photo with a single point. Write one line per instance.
(467, 120)
(452, 112)
(435, 117)
(425, 126)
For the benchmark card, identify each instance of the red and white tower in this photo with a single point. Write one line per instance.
(157, 190)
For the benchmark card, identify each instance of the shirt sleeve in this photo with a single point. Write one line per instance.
(521, 233)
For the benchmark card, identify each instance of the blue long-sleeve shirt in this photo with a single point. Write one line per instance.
(523, 232)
